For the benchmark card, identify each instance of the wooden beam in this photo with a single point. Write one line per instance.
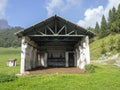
(61, 29)
(40, 32)
(71, 32)
(50, 30)
(56, 35)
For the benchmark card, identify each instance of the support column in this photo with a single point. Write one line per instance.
(75, 58)
(31, 58)
(87, 50)
(34, 58)
(45, 59)
(23, 55)
(66, 58)
(78, 56)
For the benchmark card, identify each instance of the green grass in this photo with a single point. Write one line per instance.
(106, 77)
(95, 47)
(9, 53)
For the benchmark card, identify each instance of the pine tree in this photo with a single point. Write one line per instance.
(104, 28)
(97, 28)
(114, 22)
(109, 18)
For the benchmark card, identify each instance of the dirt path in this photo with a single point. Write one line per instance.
(72, 70)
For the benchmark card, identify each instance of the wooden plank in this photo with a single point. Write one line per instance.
(56, 35)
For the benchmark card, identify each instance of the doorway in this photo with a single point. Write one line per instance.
(71, 59)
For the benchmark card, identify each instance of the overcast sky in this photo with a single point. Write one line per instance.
(25, 13)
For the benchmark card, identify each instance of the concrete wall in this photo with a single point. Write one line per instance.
(82, 52)
(28, 55)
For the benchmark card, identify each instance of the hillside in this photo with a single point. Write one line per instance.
(8, 39)
(109, 43)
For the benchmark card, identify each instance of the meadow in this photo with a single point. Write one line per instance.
(106, 77)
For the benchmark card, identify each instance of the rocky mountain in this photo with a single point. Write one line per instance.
(4, 24)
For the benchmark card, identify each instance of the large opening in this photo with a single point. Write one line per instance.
(55, 48)
(56, 58)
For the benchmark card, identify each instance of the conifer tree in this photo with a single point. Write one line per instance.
(104, 28)
(97, 28)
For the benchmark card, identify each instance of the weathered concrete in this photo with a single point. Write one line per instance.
(66, 59)
(82, 52)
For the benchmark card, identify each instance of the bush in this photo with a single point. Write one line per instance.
(103, 49)
(118, 45)
(7, 78)
(90, 68)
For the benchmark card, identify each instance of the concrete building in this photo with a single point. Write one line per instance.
(54, 42)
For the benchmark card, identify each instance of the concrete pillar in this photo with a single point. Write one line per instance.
(34, 58)
(31, 58)
(66, 59)
(78, 57)
(87, 50)
(75, 58)
(45, 59)
(23, 55)
(82, 57)
(39, 60)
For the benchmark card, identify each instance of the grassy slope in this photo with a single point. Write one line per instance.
(95, 47)
(105, 77)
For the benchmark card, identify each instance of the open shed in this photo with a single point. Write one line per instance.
(54, 42)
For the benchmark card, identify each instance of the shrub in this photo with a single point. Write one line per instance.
(103, 49)
(118, 45)
(90, 68)
(7, 78)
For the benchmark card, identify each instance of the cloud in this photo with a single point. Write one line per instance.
(54, 6)
(3, 4)
(93, 15)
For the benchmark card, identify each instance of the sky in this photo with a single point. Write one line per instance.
(25, 13)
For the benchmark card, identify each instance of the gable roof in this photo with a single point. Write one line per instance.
(55, 24)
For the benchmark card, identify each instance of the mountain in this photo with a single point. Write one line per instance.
(4, 24)
(8, 39)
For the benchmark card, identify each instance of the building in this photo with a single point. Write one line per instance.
(54, 42)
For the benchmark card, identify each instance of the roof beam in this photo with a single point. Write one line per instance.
(56, 35)
(50, 30)
(61, 29)
(71, 32)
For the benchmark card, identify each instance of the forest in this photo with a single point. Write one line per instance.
(8, 39)
(111, 25)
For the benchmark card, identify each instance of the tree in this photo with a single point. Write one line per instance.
(97, 28)
(104, 28)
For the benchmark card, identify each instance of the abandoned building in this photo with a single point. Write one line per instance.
(54, 42)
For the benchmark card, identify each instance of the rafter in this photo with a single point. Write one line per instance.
(50, 30)
(61, 29)
(71, 32)
(41, 32)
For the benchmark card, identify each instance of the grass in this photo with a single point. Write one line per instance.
(9, 53)
(106, 77)
(95, 47)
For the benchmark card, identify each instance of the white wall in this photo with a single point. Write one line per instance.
(82, 52)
